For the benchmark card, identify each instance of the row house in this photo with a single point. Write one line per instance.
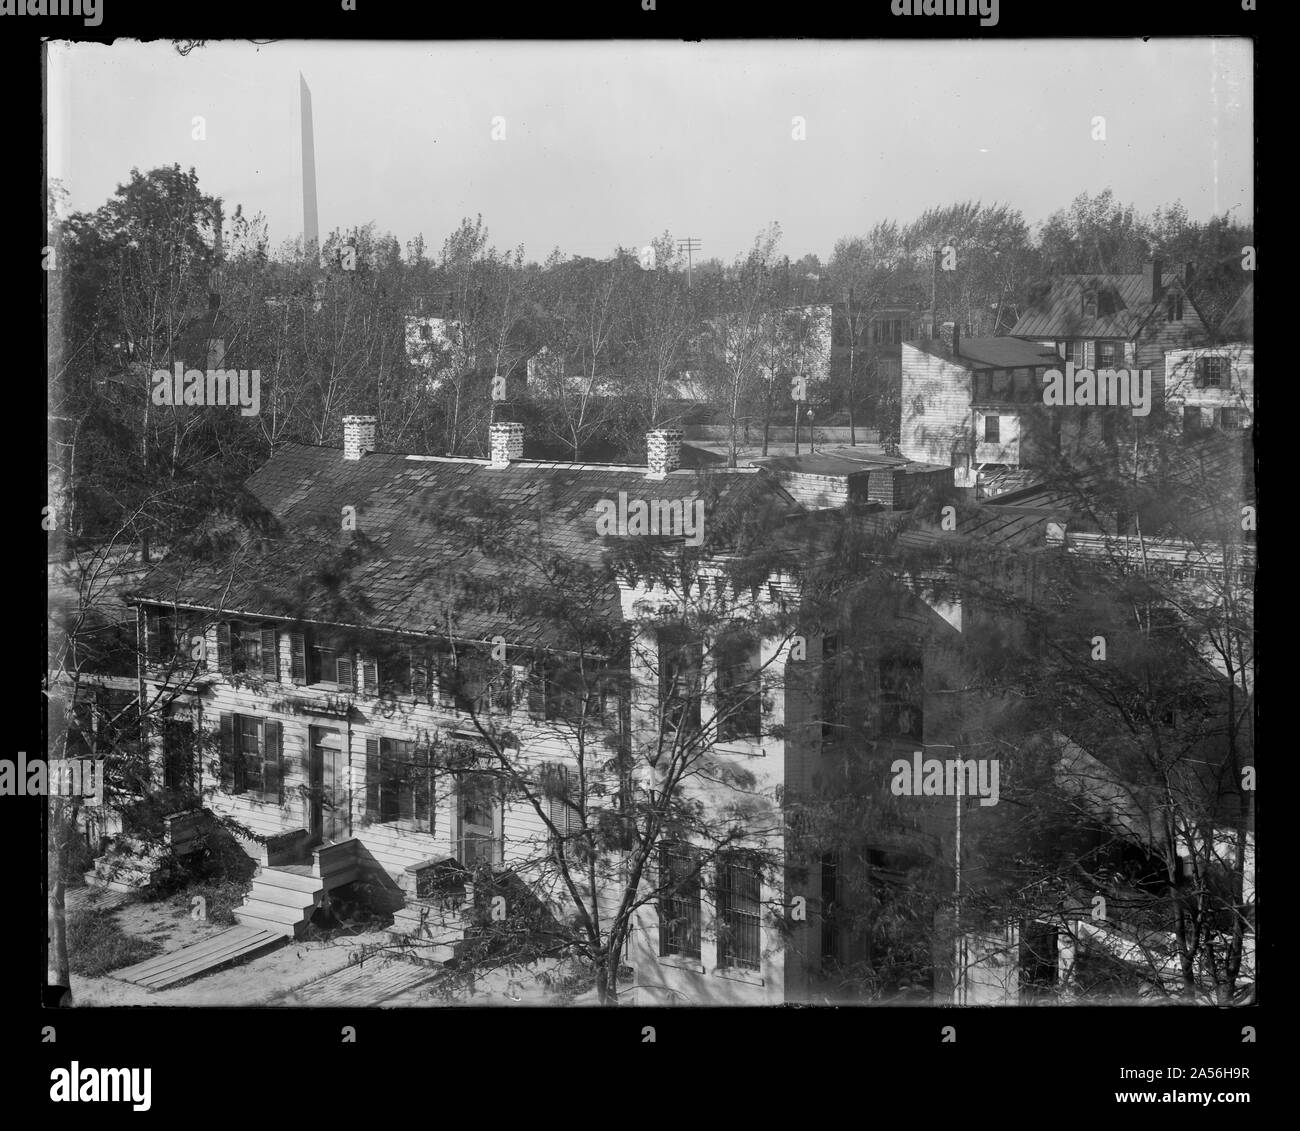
(317, 740)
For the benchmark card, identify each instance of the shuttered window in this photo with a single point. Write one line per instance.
(252, 755)
(399, 784)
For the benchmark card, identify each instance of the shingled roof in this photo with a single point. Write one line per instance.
(419, 560)
(1059, 313)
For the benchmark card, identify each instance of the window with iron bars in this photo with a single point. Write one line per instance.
(679, 906)
(739, 908)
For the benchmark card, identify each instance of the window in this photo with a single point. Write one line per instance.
(1090, 305)
(1110, 355)
(738, 909)
(1066, 350)
(249, 649)
(333, 667)
(679, 905)
(680, 659)
(992, 429)
(169, 638)
(902, 694)
(1212, 372)
(1173, 307)
(251, 752)
(831, 951)
(99, 720)
(832, 678)
(1231, 418)
(739, 689)
(426, 332)
(399, 783)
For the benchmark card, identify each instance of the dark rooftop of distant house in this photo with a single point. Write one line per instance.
(990, 353)
(1123, 305)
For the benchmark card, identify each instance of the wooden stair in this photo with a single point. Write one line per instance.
(284, 896)
(127, 867)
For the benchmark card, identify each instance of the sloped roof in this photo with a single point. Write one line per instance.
(1059, 314)
(1239, 323)
(991, 353)
(413, 561)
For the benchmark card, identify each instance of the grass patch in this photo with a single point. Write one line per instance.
(97, 944)
(221, 897)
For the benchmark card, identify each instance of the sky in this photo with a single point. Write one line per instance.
(609, 143)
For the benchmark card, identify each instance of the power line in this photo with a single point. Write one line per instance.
(689, 244)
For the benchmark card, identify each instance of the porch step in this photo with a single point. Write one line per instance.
(281, 900)
(285, 880)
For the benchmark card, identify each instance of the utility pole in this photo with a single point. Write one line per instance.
(689, 244)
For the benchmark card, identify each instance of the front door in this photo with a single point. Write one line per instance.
(327, 817)
(480, 821)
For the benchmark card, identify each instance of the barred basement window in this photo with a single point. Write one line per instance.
(679, 907)
(739, 908)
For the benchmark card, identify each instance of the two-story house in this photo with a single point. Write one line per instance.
(1116, 321)
(974, 403)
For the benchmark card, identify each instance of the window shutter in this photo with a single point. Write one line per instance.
(228, 752)
(153, 636)
(422, 787)
(346, 673)
(404, 773)
(419, 675)
(372, 779)
(272, 761)
(1089, 355)
(1202, 370)
(1130, 354)
(369, 676)
(537, 690)
(223, 648)
(298, 657)
(271, 654)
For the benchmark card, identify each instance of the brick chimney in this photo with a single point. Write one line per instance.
(358, 435)
(950, 335)
(506, 440)
(1151, 280)
(663, 449)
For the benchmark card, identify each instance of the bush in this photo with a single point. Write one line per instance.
(97, 943)
(220, 898)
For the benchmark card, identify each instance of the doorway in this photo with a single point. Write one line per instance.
(327, 816)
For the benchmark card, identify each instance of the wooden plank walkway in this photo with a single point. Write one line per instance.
(199, 958)
(367, 983)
